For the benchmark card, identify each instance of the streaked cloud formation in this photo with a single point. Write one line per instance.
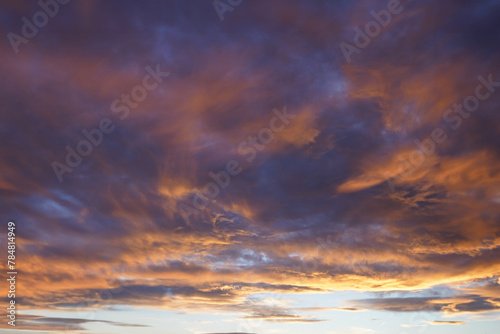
(310, 214)
(437, 322)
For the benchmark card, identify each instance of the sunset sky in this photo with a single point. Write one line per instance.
(251, 166)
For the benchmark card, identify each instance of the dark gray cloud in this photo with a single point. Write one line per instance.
(34, 322)
(456, 304)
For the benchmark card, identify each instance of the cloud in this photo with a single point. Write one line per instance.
(439, 322)
(41, 323)
(311, 213)
(459, 304)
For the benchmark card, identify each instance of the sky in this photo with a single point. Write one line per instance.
(251, 166)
